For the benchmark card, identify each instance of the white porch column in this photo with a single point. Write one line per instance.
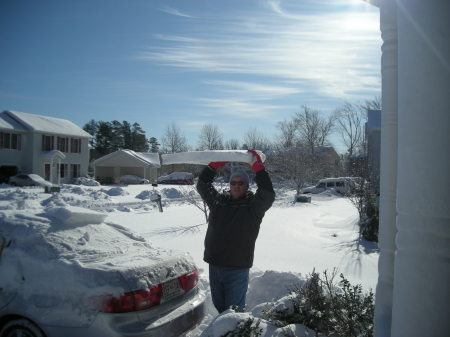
(58, 171)
(422, 264)
(51, 170)
(388, 169)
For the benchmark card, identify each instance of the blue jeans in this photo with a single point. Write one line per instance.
(228, 287)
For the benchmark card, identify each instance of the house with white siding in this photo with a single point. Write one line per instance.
(54, 148)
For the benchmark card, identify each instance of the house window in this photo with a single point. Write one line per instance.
(63, 170)
(75, 145)
(62, 144)
(75, 168)
(47, 143)
(11, 141)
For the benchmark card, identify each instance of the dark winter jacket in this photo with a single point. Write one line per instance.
(233, 224)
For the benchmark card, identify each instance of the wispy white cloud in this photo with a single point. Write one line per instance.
(321, 49)
(332, 54)
(176, 12)
(238, 107)
(253, 91)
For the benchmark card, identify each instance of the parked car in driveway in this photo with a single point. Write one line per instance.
(132, 179)
(65, 272)
(29, 180)
(342, 185)
(177, 178)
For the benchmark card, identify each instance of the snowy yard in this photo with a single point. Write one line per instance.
(294, 238)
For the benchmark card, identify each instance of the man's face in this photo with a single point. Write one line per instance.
(238, 187)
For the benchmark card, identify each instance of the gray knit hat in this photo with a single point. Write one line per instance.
(239, 172)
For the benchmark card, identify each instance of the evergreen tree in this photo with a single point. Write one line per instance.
(103, 138)
(117, 140)
(154, 145)
(126, 132)
(139, 142)
(91, 127)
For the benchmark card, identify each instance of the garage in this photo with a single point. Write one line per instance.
(108, 169)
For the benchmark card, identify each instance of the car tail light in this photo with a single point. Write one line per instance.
(189, 281)
(133, 301)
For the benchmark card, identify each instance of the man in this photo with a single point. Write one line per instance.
(233, 226)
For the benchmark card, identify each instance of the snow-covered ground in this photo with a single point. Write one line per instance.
(294, 239)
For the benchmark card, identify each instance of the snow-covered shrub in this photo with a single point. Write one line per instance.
(85, 181)
(247, 328)
(331, 310)
(364, 200)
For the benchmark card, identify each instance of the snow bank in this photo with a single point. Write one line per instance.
(272, 285)
(115, 191)
(172, 193)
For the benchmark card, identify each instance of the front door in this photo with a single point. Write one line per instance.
(47, 172)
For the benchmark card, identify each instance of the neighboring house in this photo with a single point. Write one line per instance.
(54, 148)
(373, 138)
(111, 167)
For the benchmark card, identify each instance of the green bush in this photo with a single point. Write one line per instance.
(331, 310)
(369, 226)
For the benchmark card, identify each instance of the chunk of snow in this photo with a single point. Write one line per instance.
(74, 216)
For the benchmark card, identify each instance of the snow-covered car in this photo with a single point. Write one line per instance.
(132, 179)
(177, 178)
(66, 272)
(342, 185)
(29, 180)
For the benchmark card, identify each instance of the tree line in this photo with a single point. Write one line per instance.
(112, 136)
(308, 128)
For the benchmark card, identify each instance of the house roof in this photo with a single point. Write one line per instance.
(129, 158)
(38, 123)
(7, 123)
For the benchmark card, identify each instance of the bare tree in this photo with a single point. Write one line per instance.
(191, 196)
(287, 134)
(312, 127)
(294, 165)
(372, 104)
(350, 120)
(254, 139)
(210, 138)
(232, 144)
(173, 140)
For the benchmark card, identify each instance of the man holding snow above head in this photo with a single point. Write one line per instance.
(233, 226)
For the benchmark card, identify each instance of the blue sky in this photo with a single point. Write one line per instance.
(239, 64)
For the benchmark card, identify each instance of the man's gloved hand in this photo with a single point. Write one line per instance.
(217, 164)
(258, 164)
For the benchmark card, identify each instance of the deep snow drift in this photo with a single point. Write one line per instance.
(294, 239)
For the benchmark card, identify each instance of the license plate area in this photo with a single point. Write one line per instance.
(171, 289)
